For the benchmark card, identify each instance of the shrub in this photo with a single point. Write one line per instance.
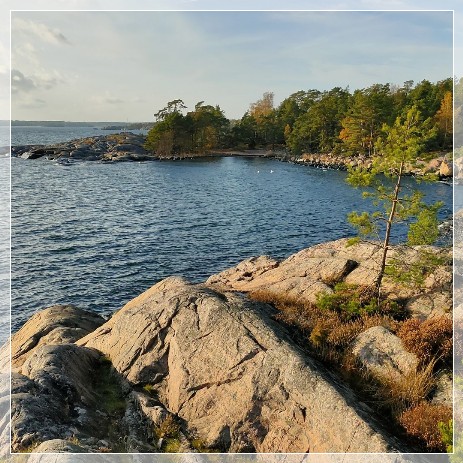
(172, 445)
(342, 334)
(352, 301)
(150, 389)
(168, 428)
(168, 432)
(422, 423)
(200, 446)
(325, 323)
(429, 339)
(304, 315)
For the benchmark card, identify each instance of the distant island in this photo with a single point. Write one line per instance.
(99, 125)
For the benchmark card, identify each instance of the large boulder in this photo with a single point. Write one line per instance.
(383, 354)
(300, 277)
(232, 374)
(59, 446)
(113, 147)
(54, 397)
(445, 169)
(60, 390)
(59, 324)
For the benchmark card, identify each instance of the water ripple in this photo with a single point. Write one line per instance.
(100, 235)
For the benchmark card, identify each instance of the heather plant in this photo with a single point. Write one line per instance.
(328, 327)
(167, 435)
(428, 339)
(396, 393)
(422, 423)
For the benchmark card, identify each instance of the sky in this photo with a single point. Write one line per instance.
(125, 66)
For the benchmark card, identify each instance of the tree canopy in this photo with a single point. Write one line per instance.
(308, 121)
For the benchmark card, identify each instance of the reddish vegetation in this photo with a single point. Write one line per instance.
(421, 422)
(429, 339)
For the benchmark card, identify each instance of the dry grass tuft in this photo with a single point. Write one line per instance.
(398, 392)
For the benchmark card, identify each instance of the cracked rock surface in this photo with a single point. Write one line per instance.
(231, 373)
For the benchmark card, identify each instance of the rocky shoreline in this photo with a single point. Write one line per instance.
(127, 146)
(202, 367)
(439, 165)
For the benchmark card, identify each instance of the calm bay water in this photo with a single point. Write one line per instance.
(97, 235)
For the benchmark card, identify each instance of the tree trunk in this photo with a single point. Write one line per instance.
(388, 232)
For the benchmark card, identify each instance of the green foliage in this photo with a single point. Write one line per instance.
(369, 109)
(425, 229)
(171, 445)
(335, 120)
(168, 428)
(200, 446)
(360, 177)
(308, 121)
(364, 223)
(169, 431)
(352, 301)
(150, 389)
(413, 272)
(106, 385)
(317, 130)
(446, 432)
(30, 448)
(352, 241)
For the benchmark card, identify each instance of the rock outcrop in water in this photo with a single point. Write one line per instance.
(125, 146)
(200, 366)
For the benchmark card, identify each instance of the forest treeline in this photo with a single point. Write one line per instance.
(308, 121)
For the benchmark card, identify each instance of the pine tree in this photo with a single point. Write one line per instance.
(397, 149)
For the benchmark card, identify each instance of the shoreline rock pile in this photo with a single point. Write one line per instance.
(439, 165)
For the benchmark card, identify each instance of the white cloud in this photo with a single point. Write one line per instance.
(21, 83)
(40, 30)
(40, 79)
(25, 50)
(48, 79)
